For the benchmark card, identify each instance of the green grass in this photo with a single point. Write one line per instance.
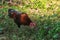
(46, 17)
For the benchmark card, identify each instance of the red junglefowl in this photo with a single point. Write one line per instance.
(20, 18)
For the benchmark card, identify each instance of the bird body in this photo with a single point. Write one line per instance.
(20, 18)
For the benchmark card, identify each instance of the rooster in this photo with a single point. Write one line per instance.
(20, 18)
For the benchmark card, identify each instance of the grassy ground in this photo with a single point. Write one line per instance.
(44, 12)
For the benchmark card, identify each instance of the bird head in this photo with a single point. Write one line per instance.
(32, 24)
